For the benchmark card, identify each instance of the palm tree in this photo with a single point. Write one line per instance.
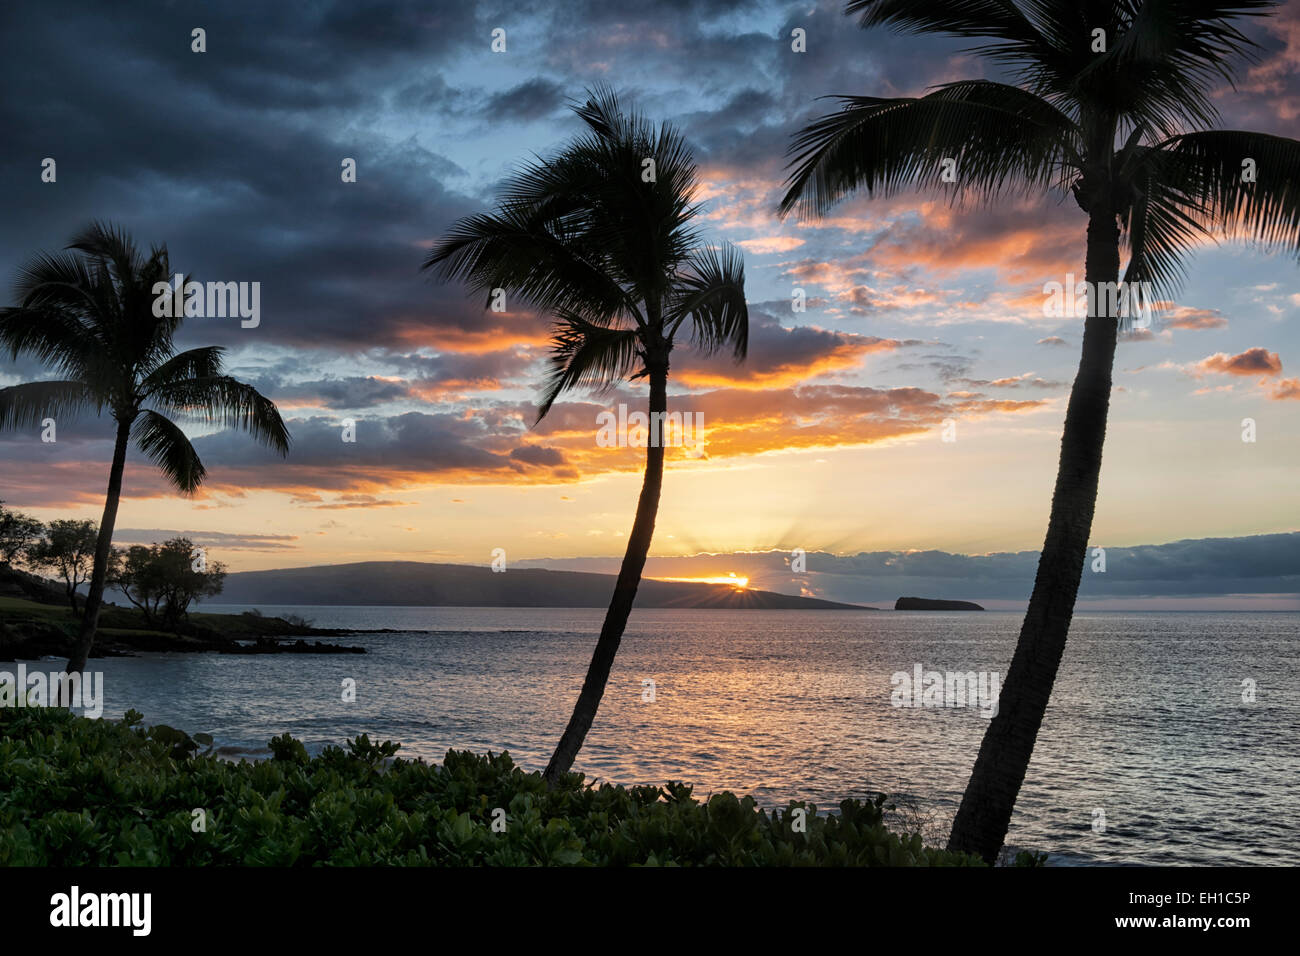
(1122, 124)
(600, 239)
(90, 312)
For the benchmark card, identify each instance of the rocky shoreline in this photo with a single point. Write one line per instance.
(33, 640)
(36, 623)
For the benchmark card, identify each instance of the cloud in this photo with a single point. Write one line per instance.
(1024, 380)
(779, 356)
(222, 540)
(1183, 317)
(354, 392)
(347, 502)
(1256, 361)
(1287, 389)
(1269, 95)
(537, 455)
(1255, 565)
(770, 244)
(531, 99)
(488, 443)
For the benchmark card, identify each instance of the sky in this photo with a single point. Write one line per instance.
(922, 318)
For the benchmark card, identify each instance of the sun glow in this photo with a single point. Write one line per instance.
(733, 579)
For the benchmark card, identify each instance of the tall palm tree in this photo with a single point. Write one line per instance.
(613, 259)
(1123, 127)
(89, 311)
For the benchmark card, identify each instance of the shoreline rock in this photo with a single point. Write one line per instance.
(27, 638)
(931, 604)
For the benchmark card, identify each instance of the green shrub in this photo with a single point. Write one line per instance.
(78, 792)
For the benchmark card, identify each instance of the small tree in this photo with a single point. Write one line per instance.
(134, 572)
(18, 533)
(163, 580)
(68, 549)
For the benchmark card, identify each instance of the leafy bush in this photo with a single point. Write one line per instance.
(1030, 858)
(163, 580)
(78, 792)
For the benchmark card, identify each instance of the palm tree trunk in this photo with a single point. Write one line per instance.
(984, 816)
(90, 615)
(629, 577)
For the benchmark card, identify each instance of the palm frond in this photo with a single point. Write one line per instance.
(603, 114)
(163, 442)
(1002, 139)
(28, 404)
(1159, 232)
(225, 401)
(965, 19)
(1164, 57)
(110, 245)
(585, 354)
(586, 231)
(712, 295)
(52, 335)
(1210, 166)
(1029, 39)
(508, 251)
(203, 362)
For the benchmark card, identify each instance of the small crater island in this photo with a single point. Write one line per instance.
(929, 604)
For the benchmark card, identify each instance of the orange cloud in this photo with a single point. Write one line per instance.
(1287, 389)
(843, 351)
(1185, 317)
(769, 244)
(522, 332)
(1256, 361)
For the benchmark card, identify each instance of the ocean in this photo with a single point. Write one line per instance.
(1171, 738)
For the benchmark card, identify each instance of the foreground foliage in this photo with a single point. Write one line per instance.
(78, 792)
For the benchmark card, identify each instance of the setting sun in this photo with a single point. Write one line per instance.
(732, 579)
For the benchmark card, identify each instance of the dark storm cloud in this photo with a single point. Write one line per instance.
(783, 355)
(413, 441)
(753, 125)
(391, 450)
(531, 99)
(232, 157)
(354, 392)
(537, 455)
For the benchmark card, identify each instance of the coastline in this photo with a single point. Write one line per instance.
(32, 630)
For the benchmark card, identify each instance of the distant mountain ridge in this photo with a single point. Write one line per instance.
(423, 584)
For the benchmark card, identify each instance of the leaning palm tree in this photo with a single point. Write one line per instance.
(1111, 101)
(90, 312)
(600, 239)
